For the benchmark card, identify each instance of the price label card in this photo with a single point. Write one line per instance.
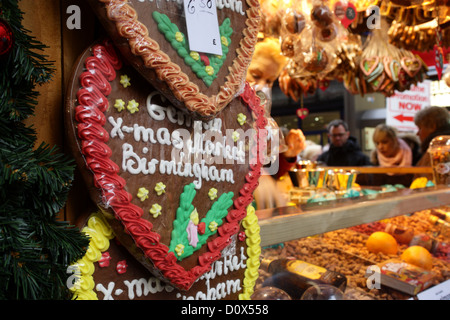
(202, 26)
(438, 292)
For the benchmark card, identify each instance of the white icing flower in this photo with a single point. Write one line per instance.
(119, 105)
(125, 81)
(142, 193)
(133, 106)
(156, 210)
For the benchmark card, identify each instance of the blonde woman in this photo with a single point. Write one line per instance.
(267, 64)
(391, 151)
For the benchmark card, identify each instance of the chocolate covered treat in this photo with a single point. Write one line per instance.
(321, 16)
(294, 21)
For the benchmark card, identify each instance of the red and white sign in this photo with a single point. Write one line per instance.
(403, 106)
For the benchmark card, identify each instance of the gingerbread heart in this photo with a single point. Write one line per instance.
(394, 67)
(411, 65)
(377, 82)
(369, 65)
(391, 67)
(385, 85)
(152, 35)
(377, 72)
(174, 189)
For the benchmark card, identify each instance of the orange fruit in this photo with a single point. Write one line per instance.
(382, 242)
(418, 256)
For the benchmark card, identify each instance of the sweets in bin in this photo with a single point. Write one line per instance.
(439, 151)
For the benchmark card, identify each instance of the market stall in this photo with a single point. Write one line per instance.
(372, 47)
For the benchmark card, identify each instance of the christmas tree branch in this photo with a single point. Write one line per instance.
(36, 248)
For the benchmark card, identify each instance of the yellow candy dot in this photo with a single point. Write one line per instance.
(179, 36)
(195, 55)
(119, 105)
(241, 118)
(125, 81)
(209, 70)
(179, 249)
(156, 210)
(160, 188)
(235, 136)
(133, 106)
(212, 194)
(213, 226)
(224, 41)
(142, 193)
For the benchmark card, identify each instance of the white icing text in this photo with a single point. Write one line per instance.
(143, 287)
(192, 153)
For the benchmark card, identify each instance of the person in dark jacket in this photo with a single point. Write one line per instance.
(414, 143)
(431, 122)
(344, 150)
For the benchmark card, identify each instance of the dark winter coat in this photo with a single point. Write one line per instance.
(349, 154)
(425, 160)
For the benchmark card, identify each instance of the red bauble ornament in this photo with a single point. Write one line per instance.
(6, 38)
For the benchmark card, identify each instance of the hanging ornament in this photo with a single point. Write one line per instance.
(345, 11)
(6, 38)
(323, 84)
(438, 52)
(302, 112)
(439, 60)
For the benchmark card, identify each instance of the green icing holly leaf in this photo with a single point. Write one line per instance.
(179, 243)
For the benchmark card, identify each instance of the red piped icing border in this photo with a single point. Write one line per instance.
(92, 103)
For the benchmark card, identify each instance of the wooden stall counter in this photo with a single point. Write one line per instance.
(294, 222)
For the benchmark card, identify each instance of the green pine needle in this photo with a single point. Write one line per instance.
(35, 248)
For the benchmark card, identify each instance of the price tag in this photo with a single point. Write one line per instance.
(438, 292)
(202, 26)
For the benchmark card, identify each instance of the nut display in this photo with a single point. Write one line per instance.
(345, 251)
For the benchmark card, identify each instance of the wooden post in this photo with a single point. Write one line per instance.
(47, 22)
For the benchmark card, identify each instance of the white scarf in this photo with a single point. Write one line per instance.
(403, 158)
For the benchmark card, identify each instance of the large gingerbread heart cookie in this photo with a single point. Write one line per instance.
(152, 35)
(174, 189)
